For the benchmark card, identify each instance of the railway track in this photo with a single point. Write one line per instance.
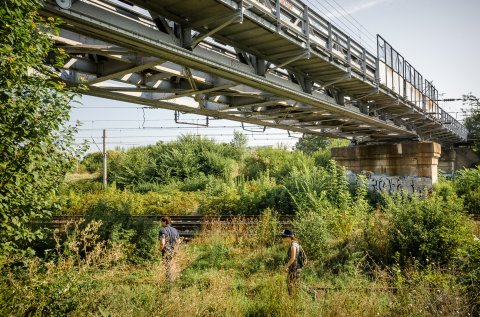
(187, 225)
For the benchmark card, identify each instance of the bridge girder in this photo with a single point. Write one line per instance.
(122, 54)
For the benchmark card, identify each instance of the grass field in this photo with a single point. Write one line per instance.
(228, 270)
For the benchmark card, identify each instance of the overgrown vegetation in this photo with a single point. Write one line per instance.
(35, 147)
(472, 120)
(232, 269)
(406, 256)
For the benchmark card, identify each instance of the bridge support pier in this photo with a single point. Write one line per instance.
(456, 158)
(408, 166)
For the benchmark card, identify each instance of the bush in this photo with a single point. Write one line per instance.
(278, 163)
(427, 229)
(329, 216)
(469, 264)
(93, 162)
(467, 185)
(195, 183)
(267, 229)
(82, 186)
(173, 202)
(220, 200)
(376, 238)
(188, 157)
(132, 167)
(246, 197)
(312, 230)
(138, 235)
(253, 195)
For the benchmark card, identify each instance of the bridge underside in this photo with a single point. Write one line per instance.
(235, 60)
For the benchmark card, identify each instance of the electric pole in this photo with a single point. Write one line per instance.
(104, 158)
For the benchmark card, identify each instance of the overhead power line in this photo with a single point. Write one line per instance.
(334, 16)
(358, 22)
(175, 136)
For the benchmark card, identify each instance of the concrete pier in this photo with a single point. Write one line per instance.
(409, 166)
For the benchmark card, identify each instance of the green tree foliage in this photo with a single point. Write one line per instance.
(472, 122)
(188, 157)
(467, 185)
(239, 140)
(311, 143)
(35, 149)
(277, 162)
(93, 162)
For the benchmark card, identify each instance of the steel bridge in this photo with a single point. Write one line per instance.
(274, 63)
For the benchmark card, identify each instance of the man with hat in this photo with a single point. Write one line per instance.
(292, 267)
(169, 237)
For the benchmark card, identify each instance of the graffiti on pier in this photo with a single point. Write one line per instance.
(392, 184)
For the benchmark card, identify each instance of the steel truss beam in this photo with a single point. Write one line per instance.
(214, 77)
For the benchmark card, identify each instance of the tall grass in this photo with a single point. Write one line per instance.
(229, 269)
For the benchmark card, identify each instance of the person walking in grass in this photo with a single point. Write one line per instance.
(296, 259)
(169, 237)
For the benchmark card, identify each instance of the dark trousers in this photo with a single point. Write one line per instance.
(167, 258)
(293, 280)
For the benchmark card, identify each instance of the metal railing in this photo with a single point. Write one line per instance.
(388, 69)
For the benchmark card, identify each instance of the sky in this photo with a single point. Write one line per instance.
(437, 37)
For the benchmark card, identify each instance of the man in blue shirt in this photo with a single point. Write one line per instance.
(169, 237)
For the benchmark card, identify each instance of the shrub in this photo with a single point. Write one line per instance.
(427, 229)
(195, 183)
(467, 185)
(376, 238)
(312, 231)
(222, 200)
(82, 186)
(469, 265)
(253, 195)
(278, 163)
(132, 167)
(246, 197)
(93, 162)
(267, 229)
(137, 234)
(172, 202)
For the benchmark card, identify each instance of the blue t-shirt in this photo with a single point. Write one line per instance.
(171, 236)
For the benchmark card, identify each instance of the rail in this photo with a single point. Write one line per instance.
(187, 225)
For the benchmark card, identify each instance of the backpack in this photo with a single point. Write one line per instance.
(301, 257)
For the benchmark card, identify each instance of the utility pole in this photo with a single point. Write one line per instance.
(104, 158)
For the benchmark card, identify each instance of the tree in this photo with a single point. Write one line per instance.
(472, 122)
(36, 145)
(311, 143)
(239, 140)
